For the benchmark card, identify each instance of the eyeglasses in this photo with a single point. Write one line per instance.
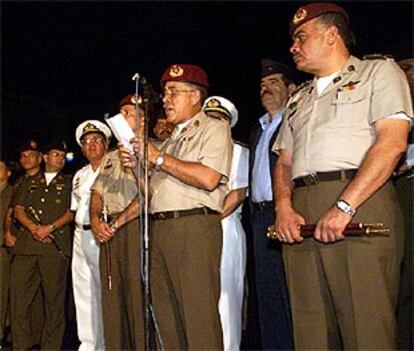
(96, 140)
(57, 154)
(173, 92)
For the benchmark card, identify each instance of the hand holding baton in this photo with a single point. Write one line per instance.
(352, 229)
(107, 251)
(51, 236)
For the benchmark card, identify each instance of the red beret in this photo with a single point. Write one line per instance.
(130, 99)
(313, 10)
(185, 73)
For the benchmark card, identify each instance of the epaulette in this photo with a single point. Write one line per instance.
(241, 143)
(378, 57)
(301, 86)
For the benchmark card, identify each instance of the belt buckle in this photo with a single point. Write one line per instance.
(311, 179)
(161, 215)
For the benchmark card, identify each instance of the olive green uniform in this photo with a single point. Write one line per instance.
(6, 192)
(122, 306)
(38, 265)
(186, 249)
(343, 295)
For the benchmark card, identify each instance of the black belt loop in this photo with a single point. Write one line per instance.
(183, 213)
(315, 178)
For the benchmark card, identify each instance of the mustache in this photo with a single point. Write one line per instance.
(264, 92)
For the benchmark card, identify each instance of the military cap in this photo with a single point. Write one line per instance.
(30, 145)
(270, 67)
(131, 99)
(185, 73)
(313, 10)
(222, 105)
(55, 145)
(92, 126)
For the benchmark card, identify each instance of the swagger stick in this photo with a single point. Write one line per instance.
(107, 251)
(352, 229)
(51, 236)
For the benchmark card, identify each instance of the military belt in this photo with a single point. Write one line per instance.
(264, 205)
(183, 213)
(317, 177)
(83, 226)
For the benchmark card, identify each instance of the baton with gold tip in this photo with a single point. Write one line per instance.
(51, 236)
(352, 229)
(107, 251)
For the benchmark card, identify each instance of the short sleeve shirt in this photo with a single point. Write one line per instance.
(335, 129)
(115, 183)
(204, 140)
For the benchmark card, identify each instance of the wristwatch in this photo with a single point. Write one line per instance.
(159, 161)
(345, 207)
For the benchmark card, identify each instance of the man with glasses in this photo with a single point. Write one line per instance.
(42, 250)
(188, 183)
(93, 136)
(120, 262)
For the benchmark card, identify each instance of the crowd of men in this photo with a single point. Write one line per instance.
(327, 154)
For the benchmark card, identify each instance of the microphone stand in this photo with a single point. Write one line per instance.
(144, 205)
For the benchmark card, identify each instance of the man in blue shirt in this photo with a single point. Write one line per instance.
(278, 82)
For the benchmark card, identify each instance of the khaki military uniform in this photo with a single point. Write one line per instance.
(186, 249)
(122, 306)
(38, 265)
(343, 295)
(6, 191)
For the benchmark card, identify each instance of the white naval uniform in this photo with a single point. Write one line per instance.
(233, 258)
(85, 266)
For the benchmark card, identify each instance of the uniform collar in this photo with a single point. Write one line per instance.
(265, 120)
(192, 123)
(351, 66)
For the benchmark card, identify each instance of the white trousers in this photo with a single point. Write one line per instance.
(232, 271)
(87, 291)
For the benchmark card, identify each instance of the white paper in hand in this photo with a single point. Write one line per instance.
(121, 130)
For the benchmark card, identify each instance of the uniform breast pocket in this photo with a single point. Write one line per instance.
(352, 107)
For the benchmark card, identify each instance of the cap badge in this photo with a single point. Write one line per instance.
(33, 144)
(213, 103)
(134, 99)
(176, 71)
(89, 128)
(300, 15)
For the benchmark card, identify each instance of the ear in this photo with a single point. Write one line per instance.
(291, 88)
(331, 35)
(195, 97)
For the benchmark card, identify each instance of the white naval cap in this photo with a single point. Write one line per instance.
(221, 104)
(92, 126)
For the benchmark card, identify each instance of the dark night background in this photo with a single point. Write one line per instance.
(64, 62)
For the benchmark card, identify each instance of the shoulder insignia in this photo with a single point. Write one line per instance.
(301, 86)
(241, 143)
(378, 57)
